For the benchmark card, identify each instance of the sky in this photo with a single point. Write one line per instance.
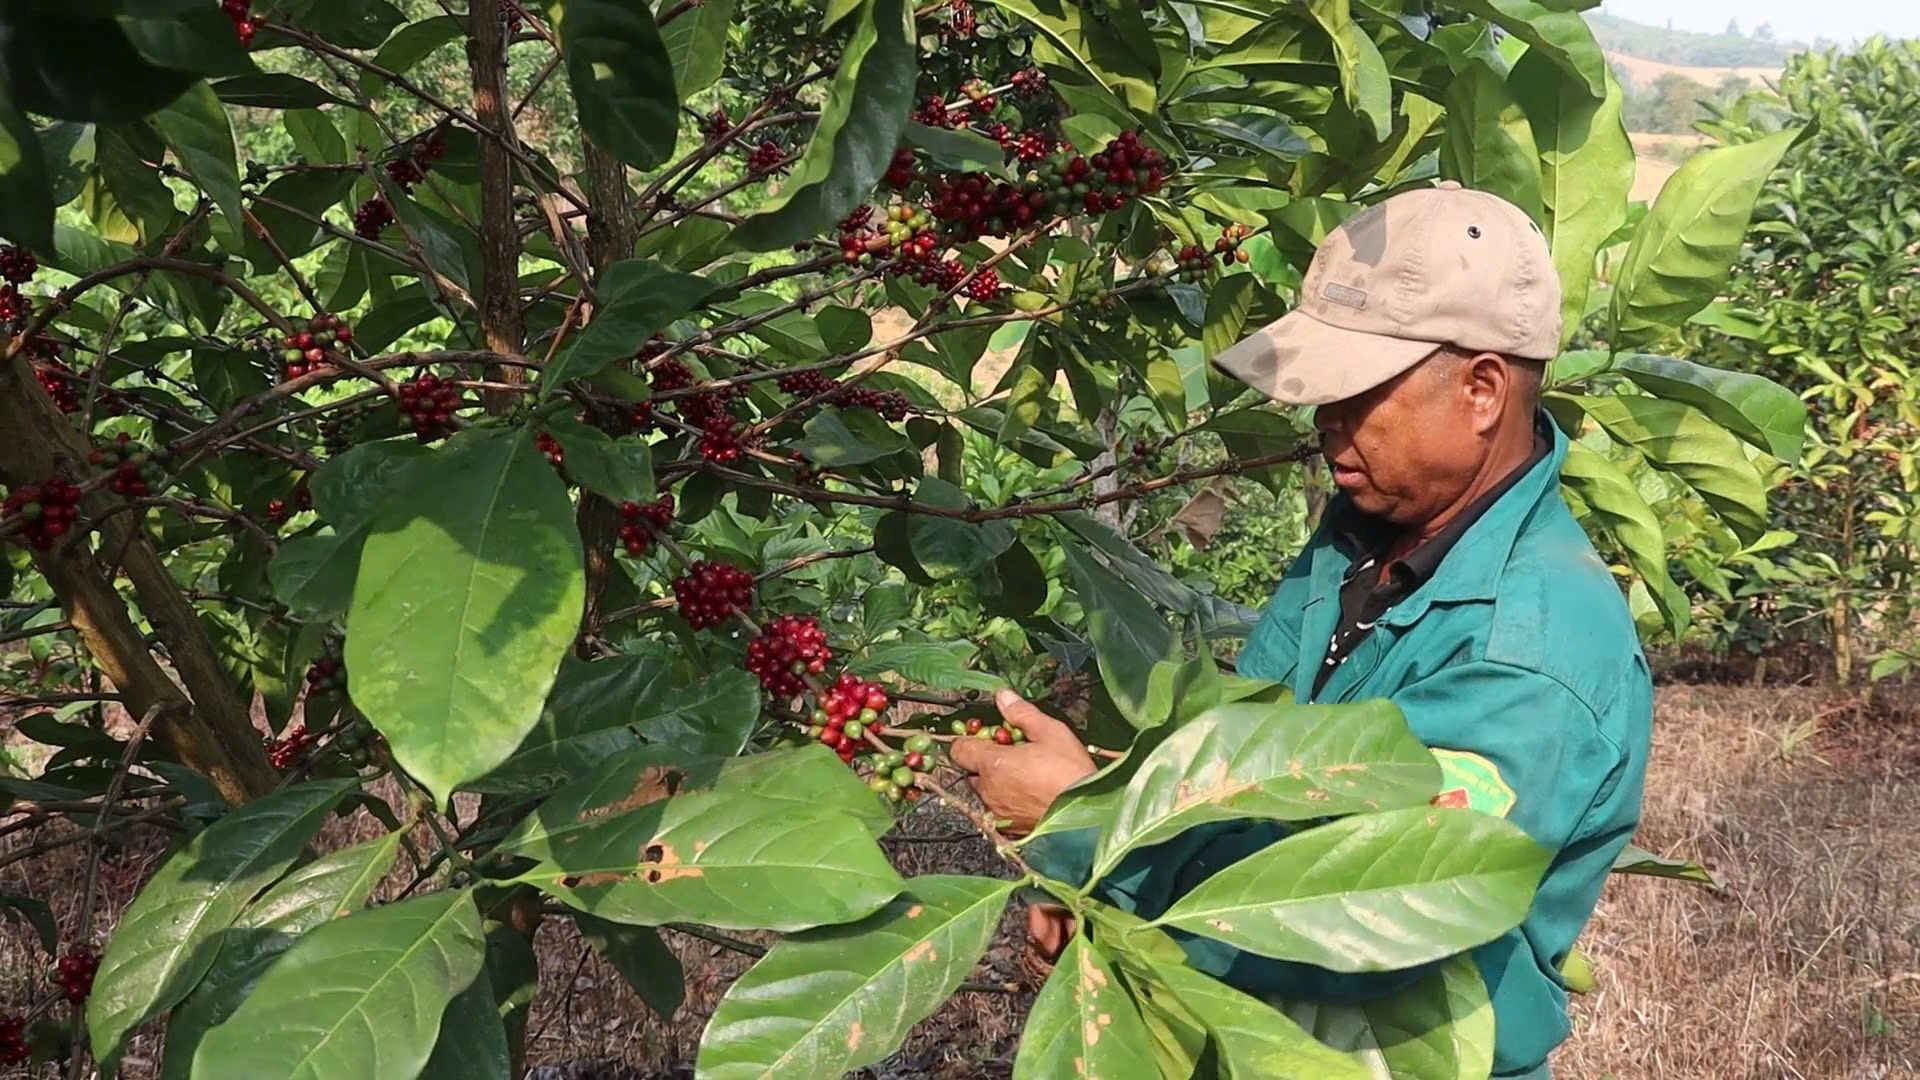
(1793, 20)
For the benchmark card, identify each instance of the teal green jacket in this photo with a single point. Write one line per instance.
(1518, 664)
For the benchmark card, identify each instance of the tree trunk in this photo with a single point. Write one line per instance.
(611, 233)
(501, 326)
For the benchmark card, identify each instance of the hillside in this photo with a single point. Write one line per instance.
(1686, 48)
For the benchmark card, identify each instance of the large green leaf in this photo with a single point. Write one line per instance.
(1253, 1040)
(1080, 38)
(1618, 508)
(696, 40)
(1083, 1022)
(622, 77)
(1129, 636)
(1554, 29)
(1679, 439)
(1680, 256)
(196, 130)
(1373, 892)
(472, 1042)
(638, 298)
(1363, 73)
(945, 547)
(26, 207)
(855, 138)
(1586, 171)
(1489, 144)
(829, 1001)
(619, 470)
(184, 35)
(605, 707)
(327, 888)
(1440, 1028)
(360, 996)
(168, 937)
(641, 958)
(469, 593)
(778, 841)
(1757, 409)
(837, 438)
(1278, 762)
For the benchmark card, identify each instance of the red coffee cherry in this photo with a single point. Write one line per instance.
(710, 591)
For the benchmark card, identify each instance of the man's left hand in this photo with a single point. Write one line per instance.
(1019, 782)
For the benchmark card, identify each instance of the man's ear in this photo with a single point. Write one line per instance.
(1486, 380)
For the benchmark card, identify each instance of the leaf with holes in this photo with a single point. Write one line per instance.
(1083, 1022)
(468, 596)
(830, 1001)
(1373, 892)
(168, 937)
(361, 996)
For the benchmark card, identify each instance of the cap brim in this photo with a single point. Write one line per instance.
(1300, 360)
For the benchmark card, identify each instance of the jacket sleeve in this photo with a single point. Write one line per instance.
(1538, 739)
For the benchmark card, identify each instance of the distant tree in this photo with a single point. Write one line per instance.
(1764, 33)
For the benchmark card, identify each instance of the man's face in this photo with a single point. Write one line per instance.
(1407, 450)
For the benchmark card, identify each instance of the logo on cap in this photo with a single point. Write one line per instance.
(1344, 295)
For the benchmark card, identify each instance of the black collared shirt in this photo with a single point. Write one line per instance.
(1365, 595)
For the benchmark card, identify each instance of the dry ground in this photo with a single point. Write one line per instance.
(1807, 965)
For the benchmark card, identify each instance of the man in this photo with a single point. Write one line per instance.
(1447, 576)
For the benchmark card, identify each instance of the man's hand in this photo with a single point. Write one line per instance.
(1020, 781)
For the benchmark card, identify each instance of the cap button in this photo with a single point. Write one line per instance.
(1449, 185)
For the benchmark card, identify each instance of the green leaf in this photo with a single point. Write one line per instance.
(839, 438)
(1440, 1028)
(606, 707)
(958, 149)
(622, 78)
(620, 470)
(1084, 40)
(352, 24)
(697, 43)
(927, 663)
(1681, 254)
(1554, 29)
(1489, 144)
(1679, 439)
(638, 298)
(833, 1000)
(168, 937)
(412, 44)
(274, 91)
(35, 913)
(641, 958)
(469, 593)
(26, 207)
(853, 142)
(1586, 171)
(1638, 860)
(472, 1042)
(1618, 508)
(1252, 1039)
(1274, 762)
(1083, 1022)
(360, 996)
(1373, 892)
(352, 487)
(1363, 73)
(946, 547)
(184, 35)
(1129, 636)
(76, 64)
(327, 888)
(1757, 409)
(315, 137)
(196, 130)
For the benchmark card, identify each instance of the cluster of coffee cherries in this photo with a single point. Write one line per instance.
(807, 384)
(283, 752)
(60, 383)
(245, 23)
(895, 773)
(47, 510)
(788, 649)
(13, 1041)
(1107, 181)
(849, 709)
(280, 511)
(17, 267)
(372, 217)
(1195, 262)
(417, 159)
(961, 20)
(710, 591)
(1029, 81)
(135, 472)
(639, 521)
(1004, 734)
(327, 674)
(74, 972)
(766, 157)
(310, 350)
(429, 402)
(906, 232)
(892, 405)
(721, 440)
(716, 123)
(550, 446)
(358, 743)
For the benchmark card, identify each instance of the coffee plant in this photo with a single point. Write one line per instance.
(575, 446)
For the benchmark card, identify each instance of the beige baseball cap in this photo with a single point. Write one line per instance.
(1437, 266)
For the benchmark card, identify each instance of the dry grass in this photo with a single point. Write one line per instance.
(1806, 965)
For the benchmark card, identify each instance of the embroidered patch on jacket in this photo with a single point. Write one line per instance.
(1469, 781)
